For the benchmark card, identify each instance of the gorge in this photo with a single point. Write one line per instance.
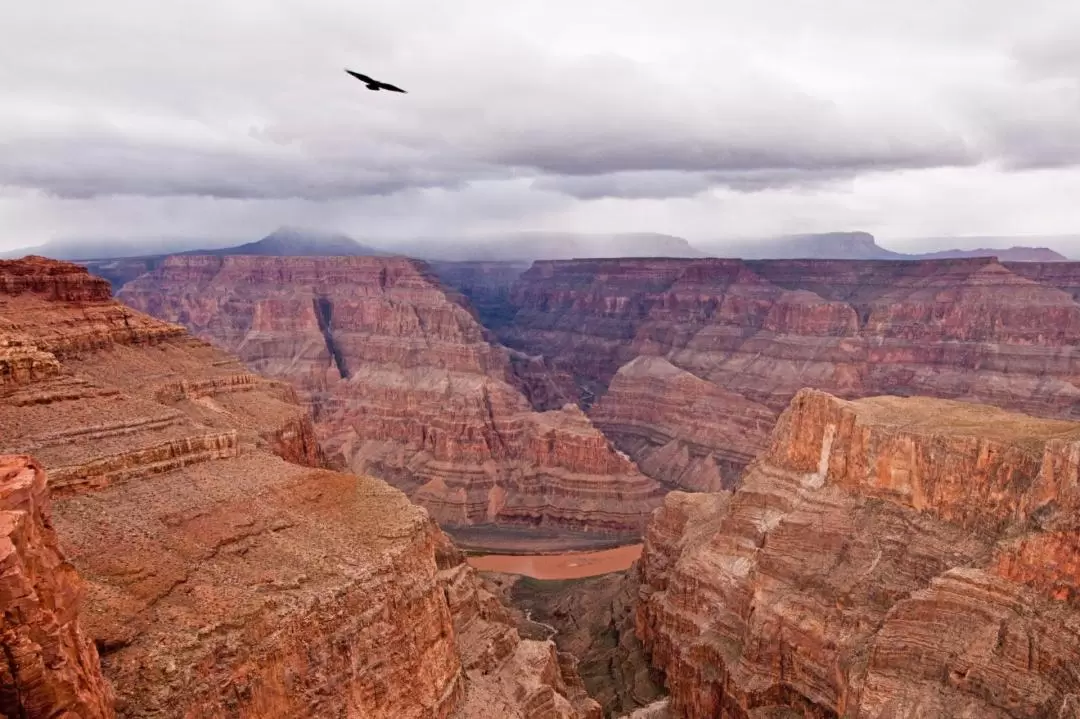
(213, 541)
(224, 570)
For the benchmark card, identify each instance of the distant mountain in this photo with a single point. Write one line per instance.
(295, 242)
(282, 242)
(530, 246)
(862, 246)
(1010, 254)
(824, 246)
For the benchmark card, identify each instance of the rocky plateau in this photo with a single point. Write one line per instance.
(199, 559)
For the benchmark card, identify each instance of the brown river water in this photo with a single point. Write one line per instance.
(571, 565)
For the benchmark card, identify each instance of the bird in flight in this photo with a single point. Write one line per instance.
(372, 83)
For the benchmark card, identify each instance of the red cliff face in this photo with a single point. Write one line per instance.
(406, 385)
(223, 577)
(50, 666)
(970, 329)
(882, 558)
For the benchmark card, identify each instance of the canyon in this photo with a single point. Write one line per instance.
(883, 557)
(408, 386)
(686, 364)
(201, 558)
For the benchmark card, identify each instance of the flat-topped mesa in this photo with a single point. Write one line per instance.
(971, 329)
(882, 557)
(51, 667)
(408, 386)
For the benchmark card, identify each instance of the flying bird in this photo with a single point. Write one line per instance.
(373, 84)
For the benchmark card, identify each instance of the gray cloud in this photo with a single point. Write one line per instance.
(513, 111)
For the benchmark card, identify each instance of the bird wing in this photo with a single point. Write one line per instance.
(359, 76)
(391, 88)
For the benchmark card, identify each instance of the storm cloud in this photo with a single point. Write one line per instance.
(533, 114)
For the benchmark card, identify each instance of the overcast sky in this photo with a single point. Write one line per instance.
(702, 118)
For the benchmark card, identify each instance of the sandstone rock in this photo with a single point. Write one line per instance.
(877, 560)
(50, 667)
(969, 329)
(222, 580)
(406, 385)
(685, 431)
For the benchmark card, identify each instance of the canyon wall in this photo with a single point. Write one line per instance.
(50, 667)
(884, 557)
(408, 386)
(227, 573)
(755, 332)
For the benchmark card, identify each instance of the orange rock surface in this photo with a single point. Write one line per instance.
(406, 385)
(227, 574)
(885, 557)
(50, 667)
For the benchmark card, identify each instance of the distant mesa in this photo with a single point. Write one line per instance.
(863, 246)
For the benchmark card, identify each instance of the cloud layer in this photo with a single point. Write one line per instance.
(531, 114)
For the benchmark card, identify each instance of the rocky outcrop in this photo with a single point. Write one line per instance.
(884, 557)
(408, 386)
(50, 667)
(685, 431)
(968, 329)
(222, 579)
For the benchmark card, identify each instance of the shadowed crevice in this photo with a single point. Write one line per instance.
(323, 313)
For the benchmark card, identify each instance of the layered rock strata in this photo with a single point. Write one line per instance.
(885, 557)
(50, 667)
(685, 431)
(223, 579)
(406, 385)
(969, 329)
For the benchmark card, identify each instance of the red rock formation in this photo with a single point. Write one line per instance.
(50, 668)
(885, 557)
(407, 386)
(685, 431)
(222, 580)
(970, 329)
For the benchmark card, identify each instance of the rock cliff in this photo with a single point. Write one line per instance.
(885, 557)
(50, 667)
(226, 572)
(758, 331)
(408, 386)
(685, 431)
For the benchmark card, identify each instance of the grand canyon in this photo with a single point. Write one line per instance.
(247, 485)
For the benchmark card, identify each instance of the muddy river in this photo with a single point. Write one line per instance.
(571, 565)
